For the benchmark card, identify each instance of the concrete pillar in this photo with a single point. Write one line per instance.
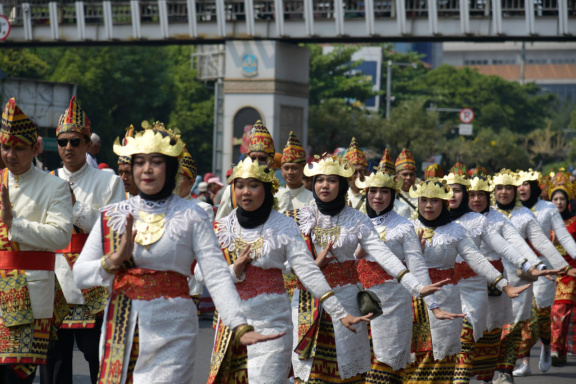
(266, 80)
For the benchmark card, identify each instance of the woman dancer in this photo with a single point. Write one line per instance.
(444, 241)
(473, 289)
(506, 184)
(326, 352)
(391, 333)
(257, 242)
(151, 324)
(564, 306)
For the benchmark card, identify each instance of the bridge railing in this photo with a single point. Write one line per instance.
(265, 10)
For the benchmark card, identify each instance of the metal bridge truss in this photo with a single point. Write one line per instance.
(198, 21)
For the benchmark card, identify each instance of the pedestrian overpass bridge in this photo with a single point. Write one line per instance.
(41, 22)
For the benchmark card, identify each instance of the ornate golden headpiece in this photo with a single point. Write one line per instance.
(433, 188)
(154, 139)
(329, 165)
(381, 180)
(248, 169)
(529, 175)
(458, 175)
(506, 177)
(481, 183)
(561, 181)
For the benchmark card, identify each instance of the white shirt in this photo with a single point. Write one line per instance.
(289, 199)
(93, 190)
(42, 211)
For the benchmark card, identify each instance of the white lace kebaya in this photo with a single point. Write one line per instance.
(168, 327)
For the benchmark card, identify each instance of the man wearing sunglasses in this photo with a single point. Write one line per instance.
(36, 219)
(261, 149)
(91, 189)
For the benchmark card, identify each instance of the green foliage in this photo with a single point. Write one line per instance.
(22, 62)
(332, 76)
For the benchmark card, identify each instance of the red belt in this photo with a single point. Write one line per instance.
(76, 243)
(259, 281)
(338, 274)
(437, 275)
(463, 271)
(371, 273)
(147, 284)
(28, 260)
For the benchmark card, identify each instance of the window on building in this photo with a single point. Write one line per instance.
(503, 62)
(475, 62)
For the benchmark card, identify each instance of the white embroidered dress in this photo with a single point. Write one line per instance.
(550, 220)
(352, 350)
(269, 362)
(473, 290)
(168, 328)
(392, 332)
(441, 250)
(527, 226)
(500, 307)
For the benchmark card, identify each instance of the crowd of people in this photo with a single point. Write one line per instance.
(470, 269)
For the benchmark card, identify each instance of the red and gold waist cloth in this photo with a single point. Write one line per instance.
(437, 275)
(463, 271)
(339, 274)
(259, 280)
(147, 284)
(371, 274)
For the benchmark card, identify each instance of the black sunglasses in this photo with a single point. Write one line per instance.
(73, 142)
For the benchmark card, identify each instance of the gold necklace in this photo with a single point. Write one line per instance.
(150, 227)
(427, 233)
(323, 236)
(256, 246)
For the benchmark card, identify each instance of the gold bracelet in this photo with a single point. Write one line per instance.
(105, 265)
(326, 296)
(402, 274)
(568, 267)
(497, 280)
(241, 331)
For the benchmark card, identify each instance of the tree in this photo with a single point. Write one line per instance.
(23, 62)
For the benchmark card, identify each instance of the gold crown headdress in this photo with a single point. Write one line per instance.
(381, 180)
(154, 139)
(529, 175)
(458, 175)
(248, 169)
(506, 177)
(561, 181)
(329, 165)
(481, 183)
(433, 188)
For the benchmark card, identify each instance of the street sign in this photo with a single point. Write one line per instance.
(466, 115)
(465, 129)
(4, 27)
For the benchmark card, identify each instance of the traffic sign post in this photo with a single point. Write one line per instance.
(4, 27)
(466, 115)
(465, 129)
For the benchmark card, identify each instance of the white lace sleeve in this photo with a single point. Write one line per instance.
(310, 275)
(511, 235)
(562, 234)
(479, 264)
(499, 245)
(416, 263)
(544, 245)
(88, 271)
(215, 274)
(376, 248)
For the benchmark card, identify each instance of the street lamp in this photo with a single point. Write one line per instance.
(389, 82)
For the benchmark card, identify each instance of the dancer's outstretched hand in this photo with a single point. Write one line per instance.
(349, 321)
(513, 292)
(250, 338)
(430, 289)
(443, 315)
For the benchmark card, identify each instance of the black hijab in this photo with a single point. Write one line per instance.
(443, 219)
(253, 219)
(510, 206)
(372, 213)
(169, 183)
(487, 207)
(535, 193)
(334, 207)
(456, 213)
(566, 214)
